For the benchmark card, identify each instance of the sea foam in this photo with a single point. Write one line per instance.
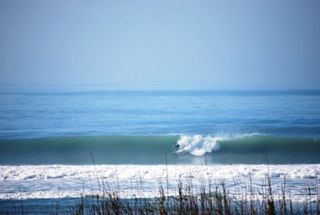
(198, 145)
(58, 181)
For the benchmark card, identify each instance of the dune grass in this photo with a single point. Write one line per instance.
(209, 199)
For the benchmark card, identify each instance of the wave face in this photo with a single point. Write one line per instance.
(171, 149)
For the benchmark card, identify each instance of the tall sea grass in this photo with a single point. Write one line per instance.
(210, 200)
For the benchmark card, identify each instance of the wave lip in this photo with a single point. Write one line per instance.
(247, 144)
(198, 145)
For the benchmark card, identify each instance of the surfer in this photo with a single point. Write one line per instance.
(176, 146)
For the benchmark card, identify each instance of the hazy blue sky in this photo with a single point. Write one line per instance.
(160, 43)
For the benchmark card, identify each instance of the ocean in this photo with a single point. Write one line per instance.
(55, 142)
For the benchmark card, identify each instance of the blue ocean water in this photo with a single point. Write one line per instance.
(50, 139)
(65, 125)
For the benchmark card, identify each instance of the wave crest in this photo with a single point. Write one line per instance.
(198, 145)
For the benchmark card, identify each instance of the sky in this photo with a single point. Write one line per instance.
(160, 44)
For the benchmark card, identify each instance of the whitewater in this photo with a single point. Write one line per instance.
(144, 181)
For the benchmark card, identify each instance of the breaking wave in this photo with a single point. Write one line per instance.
(198, 145)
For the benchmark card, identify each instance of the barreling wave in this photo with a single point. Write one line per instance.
(248, 148)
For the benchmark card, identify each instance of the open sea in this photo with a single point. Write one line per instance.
(55, 142)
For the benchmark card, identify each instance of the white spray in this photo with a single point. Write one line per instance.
(198, 145)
